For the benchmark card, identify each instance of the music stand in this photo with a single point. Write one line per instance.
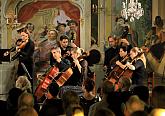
(4, 58)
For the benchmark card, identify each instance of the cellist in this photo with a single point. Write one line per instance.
(137, 65)
(57, 60)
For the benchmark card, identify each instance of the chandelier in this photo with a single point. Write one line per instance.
(132, 10)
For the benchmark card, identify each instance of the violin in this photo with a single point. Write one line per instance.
(20, 44)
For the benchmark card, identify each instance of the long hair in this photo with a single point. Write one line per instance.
(140, 54)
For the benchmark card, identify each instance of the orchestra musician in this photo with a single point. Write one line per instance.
(110, 52)
(137, 65)
(75, 79)
(113, 51)
(56, 59)
(65, 48)
(122, 56)
(25, 54)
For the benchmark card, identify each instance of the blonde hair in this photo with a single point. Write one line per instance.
(23, 83)
(25, 100)
(135, 104)
(140, 54)
(77, 50)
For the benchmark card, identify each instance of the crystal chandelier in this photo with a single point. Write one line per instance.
(132, 10)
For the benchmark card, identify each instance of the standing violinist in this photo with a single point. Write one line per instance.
(25, 55)
(137, 65)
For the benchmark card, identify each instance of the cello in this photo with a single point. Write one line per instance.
(43, 85)
(54, 74)
(118, 72)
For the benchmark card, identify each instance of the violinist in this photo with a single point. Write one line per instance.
(25, 50)
(137, 65)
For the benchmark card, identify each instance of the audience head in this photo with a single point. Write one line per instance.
(139, 113)
(158, 97)
(23, 83)
(104, 112)
(157, 112)
(69, 98)
(133, 104)
(27, 111)
(25, 100)
(107, 87)
(88, 85)
(125, 83)
(53, 89)
(142, 92)
(74, 110)
(14, 93)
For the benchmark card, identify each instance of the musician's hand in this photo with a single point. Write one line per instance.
(118, 63)
(124, 41)
(18, 49)
(130, 66)
(6, 53)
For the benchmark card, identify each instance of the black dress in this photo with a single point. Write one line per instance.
(139, 72)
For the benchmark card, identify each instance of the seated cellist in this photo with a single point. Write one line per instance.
(137, 65)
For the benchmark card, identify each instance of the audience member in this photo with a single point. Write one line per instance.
(133, 104)
(69, 98)
(52, 106)
(104, 112)
(107, 88)
(24, 84)
(139, 113)
(25, 100)
(157, 112)
(142, 92)
(158, 97)
(75, 110)
(27, 111)
(12, 101)
(88, 98)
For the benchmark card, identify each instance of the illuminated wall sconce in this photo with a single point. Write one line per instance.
(97, 9)
(11, 20)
